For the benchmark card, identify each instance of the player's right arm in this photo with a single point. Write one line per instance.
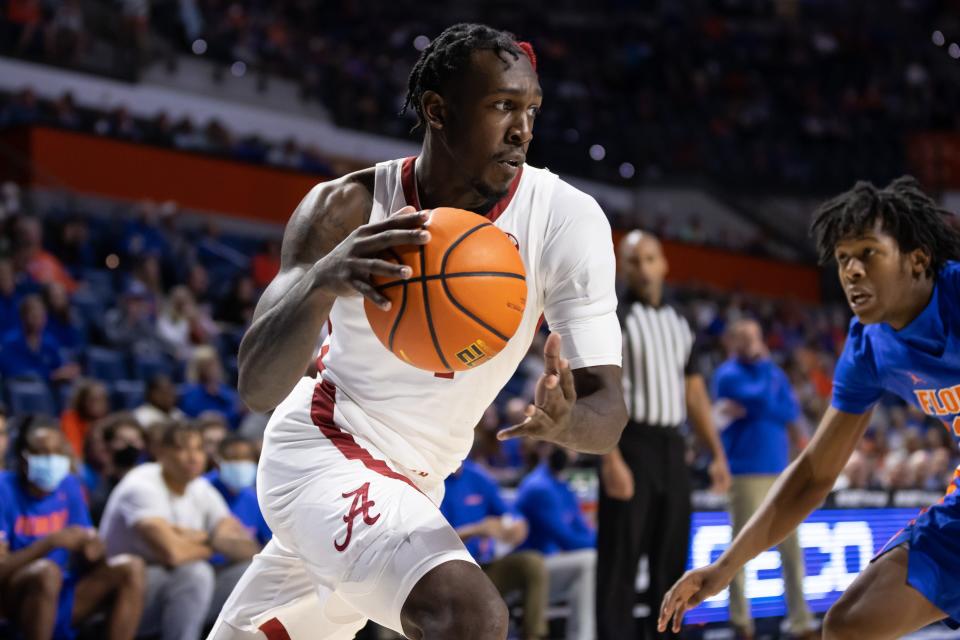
(328, 251)
(798, 491)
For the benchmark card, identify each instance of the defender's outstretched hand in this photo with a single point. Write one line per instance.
(690, 590)
(549, 416)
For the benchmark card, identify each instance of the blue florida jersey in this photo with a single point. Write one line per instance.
(26, 519)
(920, 363)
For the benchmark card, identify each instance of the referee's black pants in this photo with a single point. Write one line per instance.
(655, 523)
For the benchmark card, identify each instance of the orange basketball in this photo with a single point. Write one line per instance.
(464, 300)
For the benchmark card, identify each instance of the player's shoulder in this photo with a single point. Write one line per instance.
(350, 192)
(326, 215)
(862, 338)
(568, 200)
(949, 276)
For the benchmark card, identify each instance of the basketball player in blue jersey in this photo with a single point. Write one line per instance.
(896, 255)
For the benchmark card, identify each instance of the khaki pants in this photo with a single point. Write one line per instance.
(746, 494)
(525, 572)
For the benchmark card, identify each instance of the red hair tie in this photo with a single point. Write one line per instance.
(527, 48)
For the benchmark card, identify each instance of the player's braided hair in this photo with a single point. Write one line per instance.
(448, 55)
(905, 212)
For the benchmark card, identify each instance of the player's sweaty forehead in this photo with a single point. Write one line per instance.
(872, 235)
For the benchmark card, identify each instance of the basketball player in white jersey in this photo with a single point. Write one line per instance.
(356, 451)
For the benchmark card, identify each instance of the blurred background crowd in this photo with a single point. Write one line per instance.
(796, 93)
(121, 318)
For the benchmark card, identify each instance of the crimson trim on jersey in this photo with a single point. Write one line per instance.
(274, 630)
(409, 181)
(321, 411)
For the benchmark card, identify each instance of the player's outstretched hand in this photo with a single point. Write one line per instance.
(348, 268)
(549, 416)
(690, 590)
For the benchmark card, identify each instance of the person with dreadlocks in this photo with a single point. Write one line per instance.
(897, 258)
(357, 449)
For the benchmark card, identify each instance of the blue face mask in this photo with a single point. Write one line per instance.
(47, 472)
(238, 475)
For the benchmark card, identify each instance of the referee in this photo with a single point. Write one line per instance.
(645, 488)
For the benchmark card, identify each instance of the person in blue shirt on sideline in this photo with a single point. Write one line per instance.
(474, 507)
(234, 478)
(897, 257)
(560, 532)
(53, 574)
(756, 401)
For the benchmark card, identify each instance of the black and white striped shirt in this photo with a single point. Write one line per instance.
(657, 346)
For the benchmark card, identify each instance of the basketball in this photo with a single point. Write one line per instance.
(464, 301)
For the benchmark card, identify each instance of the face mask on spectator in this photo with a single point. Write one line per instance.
(127, 457)
(47, 472)
(238, 475)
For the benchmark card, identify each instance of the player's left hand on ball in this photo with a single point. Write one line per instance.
(555, 395)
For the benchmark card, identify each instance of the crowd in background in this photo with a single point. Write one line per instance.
(770, 91)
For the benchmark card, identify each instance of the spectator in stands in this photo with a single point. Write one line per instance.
(31, 257)
(31, 351)
(559, 531)
(22, 109)
(234, 478)
(160, 403)
(126, 447)
(149, 272)
(266, 264)
(181, 324)
(143, 236)
(169, 515)
(65, 112)
(55, 575)
(214, 430)
(65, 37)
(119, 123)
(473, 506)
(503, 459)
(63, 322)
(198, 281)
(10, 296)
(89, 402)
(206, 390)
(237, 306)
(25, 22)
(74, 245)
(756, 404)
(130, 327)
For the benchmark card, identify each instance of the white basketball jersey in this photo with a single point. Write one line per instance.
(424, 423)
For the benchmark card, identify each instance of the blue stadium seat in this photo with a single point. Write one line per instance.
(106, 364)
(147, 365)
(30, 396)
(128, 394)
(101, 281)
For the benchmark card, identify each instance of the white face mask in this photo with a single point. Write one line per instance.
(238, 475)
(47, 472)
